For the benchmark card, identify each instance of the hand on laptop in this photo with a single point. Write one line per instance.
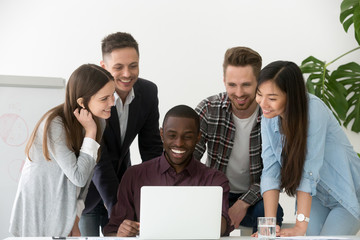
(128, 228)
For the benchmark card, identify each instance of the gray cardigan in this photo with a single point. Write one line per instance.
(49, 192)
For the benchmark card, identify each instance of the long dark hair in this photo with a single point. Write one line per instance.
(288, 78)
(84, 82)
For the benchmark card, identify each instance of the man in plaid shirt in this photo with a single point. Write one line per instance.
(231, 120)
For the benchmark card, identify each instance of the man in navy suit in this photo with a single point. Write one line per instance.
(135, 113)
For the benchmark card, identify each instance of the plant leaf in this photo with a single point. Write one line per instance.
(350, 14)
(319, 83)
(310, 87)
(313, 60)
(346, 4)
(336, 95)
(345, 14)
(357, 23)
(347, 24)
(348, 75)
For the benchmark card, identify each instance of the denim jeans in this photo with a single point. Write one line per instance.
(91, 222)
(329, 217)
(255, 211)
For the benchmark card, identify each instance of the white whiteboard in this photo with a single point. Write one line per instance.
(23, 100)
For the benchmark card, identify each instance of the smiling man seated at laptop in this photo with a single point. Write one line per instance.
(175, 167)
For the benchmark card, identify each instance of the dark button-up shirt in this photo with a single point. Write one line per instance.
(158, 172)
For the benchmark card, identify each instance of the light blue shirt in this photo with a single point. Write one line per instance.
(330, 159)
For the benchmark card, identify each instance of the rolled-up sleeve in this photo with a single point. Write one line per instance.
(90, 146)
(307, 184)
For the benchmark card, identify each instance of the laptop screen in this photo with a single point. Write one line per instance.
(180, 212)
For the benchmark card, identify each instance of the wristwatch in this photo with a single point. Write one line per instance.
(301, 218)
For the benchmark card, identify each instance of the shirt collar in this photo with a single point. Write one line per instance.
(165, 166)
(226, 103)
(276, 124)
(129, 98)
(258, 119)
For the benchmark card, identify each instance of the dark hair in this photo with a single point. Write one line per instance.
(184, 112)
(116, 41)
(84, 82)
(243, 56)
(288, 78)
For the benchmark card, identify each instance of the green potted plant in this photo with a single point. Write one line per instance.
(339, 89)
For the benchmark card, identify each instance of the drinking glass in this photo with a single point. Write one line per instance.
(267, 227)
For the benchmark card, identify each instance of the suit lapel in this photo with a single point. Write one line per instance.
(134, 109)
(115, 125)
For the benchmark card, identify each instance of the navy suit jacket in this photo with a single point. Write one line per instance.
(143, 120)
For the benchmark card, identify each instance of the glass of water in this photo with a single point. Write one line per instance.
(267, 227)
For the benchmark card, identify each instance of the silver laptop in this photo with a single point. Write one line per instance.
(179, 212)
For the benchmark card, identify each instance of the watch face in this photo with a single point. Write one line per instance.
(301, 217)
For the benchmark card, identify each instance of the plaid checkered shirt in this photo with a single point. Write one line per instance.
(218, 133)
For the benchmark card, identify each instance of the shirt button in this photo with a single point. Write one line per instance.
(310, 173)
